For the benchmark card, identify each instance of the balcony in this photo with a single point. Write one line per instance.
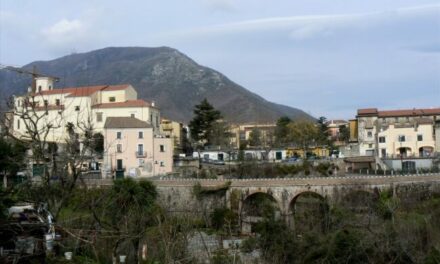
(141, 154)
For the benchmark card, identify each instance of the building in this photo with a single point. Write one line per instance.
(90, 105)
(334, 127)
(176, 131)
(131, 148)
(242, 133)
(399, 138)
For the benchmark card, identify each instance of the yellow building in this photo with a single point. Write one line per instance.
(392, 133)
(314, 151)
(241, 133)
(175, 131)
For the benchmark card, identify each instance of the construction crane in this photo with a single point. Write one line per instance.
(33, 73)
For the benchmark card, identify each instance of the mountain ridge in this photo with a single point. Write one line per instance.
(161, 74)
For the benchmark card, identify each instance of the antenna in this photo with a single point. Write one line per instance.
(33, 73)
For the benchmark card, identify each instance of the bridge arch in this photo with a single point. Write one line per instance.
(308, 212)
(255, 207)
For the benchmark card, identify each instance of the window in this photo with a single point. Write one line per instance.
(132, 115)
(57, 102)
(419, 137)
(50, 87)
(140, 149)
(18, 103)
(162, 164)
(18, 123)
(118, 135)
(370, 145)
(46, 103)
(141, 162)
(402, 138)
(151, 118)
(119, 164)
(157, 121)
(77, 108)
(111, 99)
(141, 134)
(370, 134)
(384, 153)
(99, 117)
(39, 88)
(162, 148)
(119, 148)
(381, 139)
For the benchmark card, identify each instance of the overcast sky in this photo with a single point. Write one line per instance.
(327, 57)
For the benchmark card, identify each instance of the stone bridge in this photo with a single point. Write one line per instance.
(246, 196)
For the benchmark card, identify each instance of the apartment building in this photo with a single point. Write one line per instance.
(176, 131)
(397, 134)
(81, 106)
(132, 149)
(241, 133)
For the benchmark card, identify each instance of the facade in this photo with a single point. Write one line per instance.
(333, 128)
(396, 132)
(241, 133)
(174, 130)
(404, 135)
(132, 149)
(55, 108)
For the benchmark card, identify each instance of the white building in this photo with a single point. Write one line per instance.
(401, 139)
(55, 108)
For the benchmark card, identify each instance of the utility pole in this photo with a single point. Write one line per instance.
(33, 73)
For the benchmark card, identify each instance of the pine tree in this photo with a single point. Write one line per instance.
(203, 124)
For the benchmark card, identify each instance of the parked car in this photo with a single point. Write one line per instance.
(292, 160)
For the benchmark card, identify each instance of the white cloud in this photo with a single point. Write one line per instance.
(72, 35)
(64, 29)
(306, 27)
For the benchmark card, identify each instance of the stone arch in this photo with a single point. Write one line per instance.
(255, 207)
(309, 211)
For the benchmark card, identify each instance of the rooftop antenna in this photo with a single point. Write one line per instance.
(33, 73)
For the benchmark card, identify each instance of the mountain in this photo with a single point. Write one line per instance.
(174, 81)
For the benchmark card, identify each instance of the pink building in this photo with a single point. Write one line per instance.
(333, 128)
(132, 150)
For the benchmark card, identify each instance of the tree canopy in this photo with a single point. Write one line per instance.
(303, 134)
(205, 126)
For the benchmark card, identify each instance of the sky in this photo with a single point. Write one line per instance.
(328, 58)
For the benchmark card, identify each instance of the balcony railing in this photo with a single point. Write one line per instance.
(141, 154)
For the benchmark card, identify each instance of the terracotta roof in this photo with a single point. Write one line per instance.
(367, 111)
(397, 113)
(125, 122)
(84, 90)
(409, 112)
(129, 103)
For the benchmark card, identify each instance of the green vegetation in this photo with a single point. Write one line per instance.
(206, 126)
(391, 226)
